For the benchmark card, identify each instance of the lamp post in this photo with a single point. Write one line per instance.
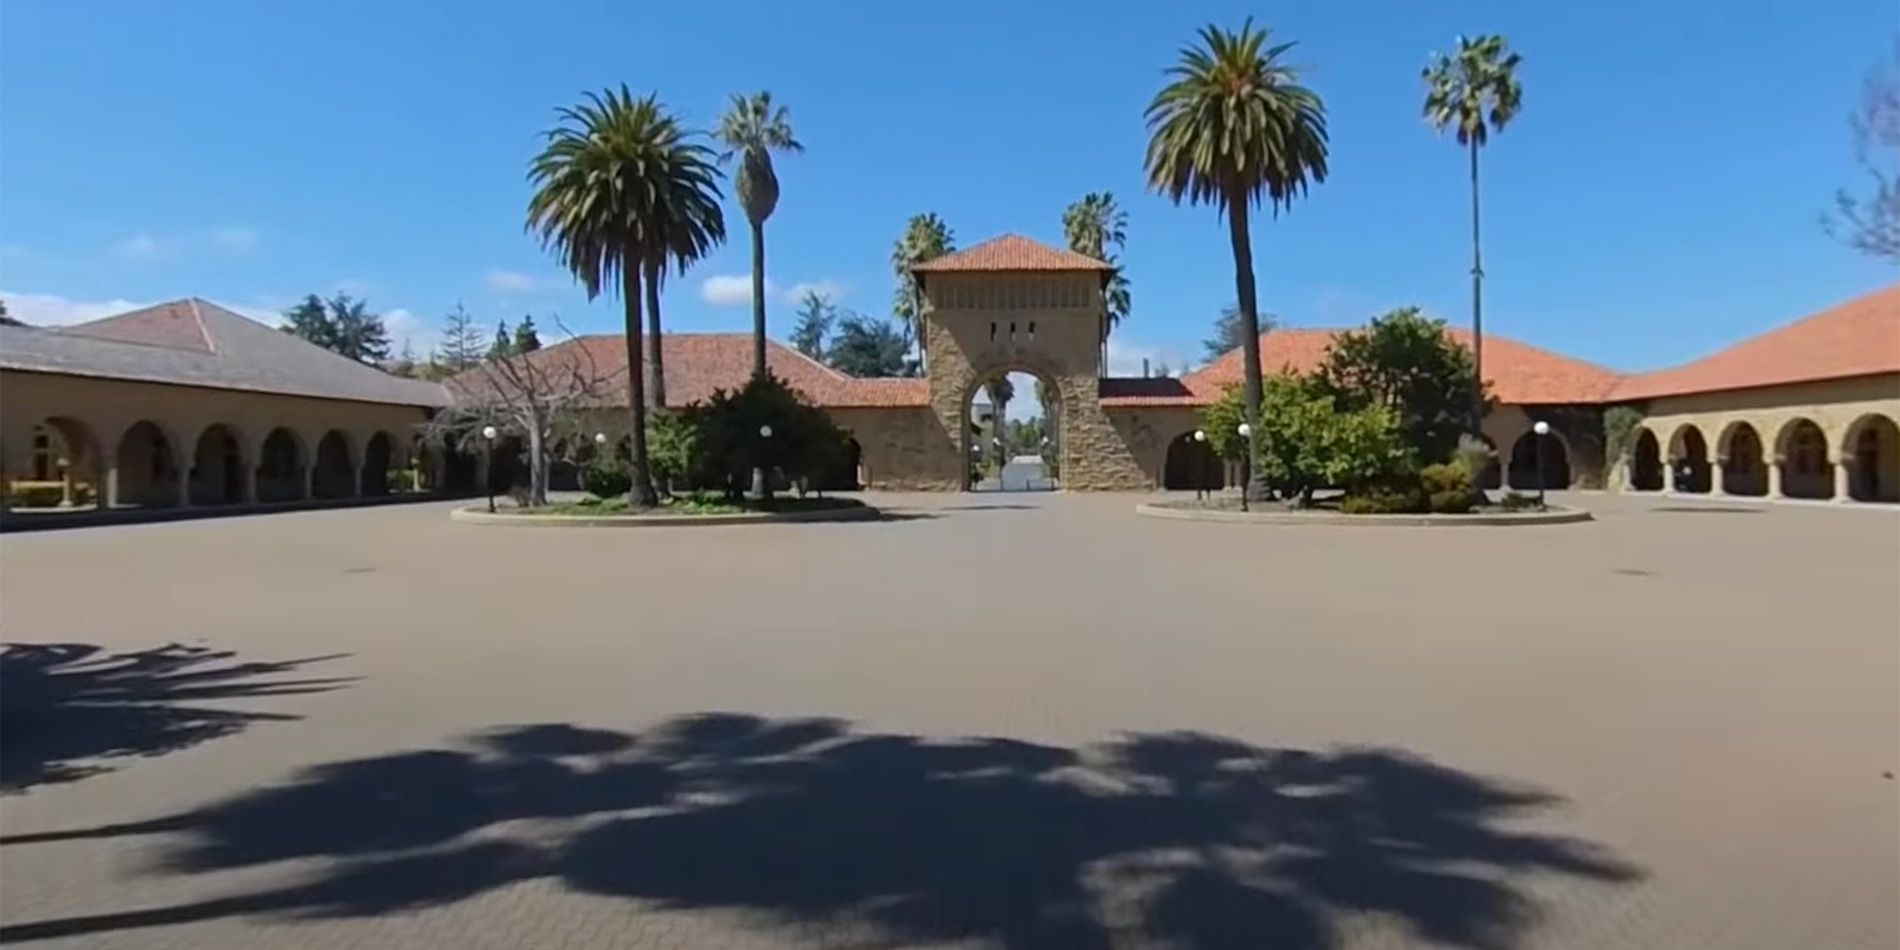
(488, 464)
(1246, 464)
(1200, 464)
(1542, 429)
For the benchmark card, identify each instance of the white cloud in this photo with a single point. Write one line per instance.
(826, 288)
(726, 290)
(52, 310)
(140, 247)
(1125, 356)
(235, 240)
(509, 282)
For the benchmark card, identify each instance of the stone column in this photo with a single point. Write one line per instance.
(67, 490)
(184, 488)
(1669, 475)
(1844, 480)
(247, 484)
(1715, 477)
(309, 473)
(1774, 478)
(109, 485)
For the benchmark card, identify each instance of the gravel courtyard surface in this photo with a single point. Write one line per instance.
(989, 720)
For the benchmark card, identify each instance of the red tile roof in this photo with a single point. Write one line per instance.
(1011, 252)
(1519, 373)
(1858, 338)
(698, 364)
(1143, 391)
(177, 324)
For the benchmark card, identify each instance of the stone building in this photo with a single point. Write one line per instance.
(187, 404)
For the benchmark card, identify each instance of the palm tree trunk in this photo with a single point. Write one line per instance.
(642, 494)
(1477, 306)
(656, 348)
(1250, 322)
(758, 298)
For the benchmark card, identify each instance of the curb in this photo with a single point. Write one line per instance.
(483, 517)
(1552, 515)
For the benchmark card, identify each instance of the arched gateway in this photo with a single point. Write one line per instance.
(1012, 305)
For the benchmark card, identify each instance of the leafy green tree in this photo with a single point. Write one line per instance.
(1473, 92)
(610, 171)
(459, 347)
(1232, 128)
(816, 316)
(1230, 331)
(1303, 441)
(870, 348)
(926, 237)
(752, 129)
(1097, 227)
(503, 345)
(342, 324)
(526, 338)
(1404, 362)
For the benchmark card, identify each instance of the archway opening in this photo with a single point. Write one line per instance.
(1524, 469)
(1646, 472)
(1689, 454)
(148, 467)
(847, 474)
(1805, 469)
(335, 475)
(280, 467)
(1743, 470)
(1524, 466)
(217, 467)
(1192, 465)
(1874, 443)
(508, 465)
(1492, 478)
(1011, 440)
(63, 469)
(380, 474)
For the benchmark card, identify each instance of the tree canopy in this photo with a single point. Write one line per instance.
(342, 324)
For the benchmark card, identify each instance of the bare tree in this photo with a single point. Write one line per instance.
(537, 397)
(1870, 223)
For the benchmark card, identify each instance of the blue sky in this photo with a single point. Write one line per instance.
(1658, 198)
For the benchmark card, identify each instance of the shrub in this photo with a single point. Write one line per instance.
(1513, 501)
(1391, 500)
(606, 476)
(1306, 442)
(722, 440)
(1447, 487)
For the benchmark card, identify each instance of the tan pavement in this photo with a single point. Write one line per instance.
(998, 720)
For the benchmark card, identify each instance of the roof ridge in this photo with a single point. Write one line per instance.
(198, 317)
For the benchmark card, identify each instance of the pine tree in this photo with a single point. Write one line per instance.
(461, 346)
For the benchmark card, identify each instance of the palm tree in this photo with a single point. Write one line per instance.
(752, 129)
(1474, 92)
(1234, 126)
(690, 225)
(1097, 227)
(610, 170)
(925, 238)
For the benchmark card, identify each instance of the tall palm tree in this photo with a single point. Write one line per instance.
(752, 129)
(926, 237)
(609, 171)
(1232, 127)
(1096, 226)
(1474, 92)
(690, 225)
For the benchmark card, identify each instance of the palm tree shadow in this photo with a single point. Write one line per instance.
(1186, 840)
(67, 709)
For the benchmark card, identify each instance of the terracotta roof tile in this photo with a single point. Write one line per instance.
(1519, 373)
(1011, 252)
(699, 364)
(1858, 338)
(1140, 391)
(176, 324)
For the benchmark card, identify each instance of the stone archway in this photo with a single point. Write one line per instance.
(217, 467)
(1806, 470)
(147, 467)
(280, 465)
(1689, 459)
(379, 456)
(1523, 470)
(1191, 465)
(64, 469)
(335, 473)
(1744, 471)
(1873, 445)
(1646, 471)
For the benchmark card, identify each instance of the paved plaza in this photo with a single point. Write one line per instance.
(991, 720)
